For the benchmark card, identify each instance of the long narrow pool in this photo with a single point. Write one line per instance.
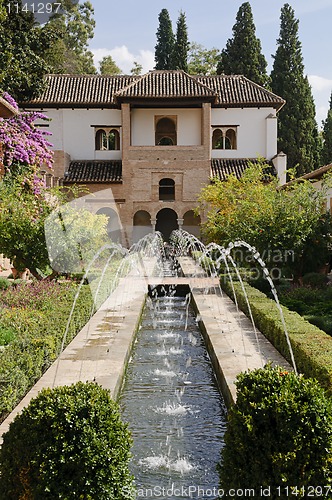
(172, 404)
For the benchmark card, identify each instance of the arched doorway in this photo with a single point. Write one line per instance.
(141, 225)
(167, 221)
(113, 225)
(191, 223)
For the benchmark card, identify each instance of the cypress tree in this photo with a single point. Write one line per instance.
(327, 137)
(164, 48)
(242, 55)
(181, 48)
(298, 133)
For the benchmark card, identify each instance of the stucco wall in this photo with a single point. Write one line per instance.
(188, 126)
(256, 133)
(73, 131)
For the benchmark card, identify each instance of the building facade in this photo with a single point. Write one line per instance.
(146, 145)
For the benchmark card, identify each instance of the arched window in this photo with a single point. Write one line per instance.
(165, 132)
(224, 138)
(217, 139)
(114, 140)
(107, 139)
(101, 140)
(230, 139)
(166, 190)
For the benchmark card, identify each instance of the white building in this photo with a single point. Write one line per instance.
(155, 140)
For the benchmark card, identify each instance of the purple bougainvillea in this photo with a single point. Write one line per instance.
(23, 143)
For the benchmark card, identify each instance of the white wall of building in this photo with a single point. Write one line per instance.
(256, 131)
(73, 131)
(188, 126)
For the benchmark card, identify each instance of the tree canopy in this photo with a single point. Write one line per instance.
(265, 216)
(242, 55)
(108, 66)
(297, 133)
(202, 61)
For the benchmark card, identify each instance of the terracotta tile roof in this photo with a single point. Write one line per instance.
(94, 171)
(81, 90)
(167, 85)
(108, 91)
(234, 90)
(222, 168)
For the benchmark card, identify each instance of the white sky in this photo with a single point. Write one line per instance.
(127, 31)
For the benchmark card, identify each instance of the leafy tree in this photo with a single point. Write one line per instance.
(69, 442)
(181, 47)
(327, 137)
(242, 55)
(136, 69)
(279, 434)
(22, 49)
(202, 61)
(164, 48)
(74, 28)
(273, 220)
(108, 66)
(297, 134)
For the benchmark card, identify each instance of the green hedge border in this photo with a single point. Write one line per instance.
(311, 346)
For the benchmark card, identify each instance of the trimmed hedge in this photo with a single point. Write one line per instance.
(69, 442)
(311, 346)
(279, 435)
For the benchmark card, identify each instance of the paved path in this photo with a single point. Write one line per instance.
(101, 350)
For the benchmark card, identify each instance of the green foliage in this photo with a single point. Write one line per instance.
(107, 66)
(7, 334)
(312, 347)
(315, 280)
(74, 29)
(22, 47)
(242, 55)
(165, 42)
(298, 133)
(327, 137)
(313, 301)
(202, 61)
(136, 69)
(285, 225)
(4, 283)
(68, 443)
(181, 46)
(279, 434)
(37, 313)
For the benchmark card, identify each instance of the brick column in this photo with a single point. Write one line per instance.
(206, 128)
(126, 129)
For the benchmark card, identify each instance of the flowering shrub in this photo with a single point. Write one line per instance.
(24, 144)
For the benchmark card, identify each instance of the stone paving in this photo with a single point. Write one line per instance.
(101, 350)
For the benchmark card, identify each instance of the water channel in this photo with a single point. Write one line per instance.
(172, 404)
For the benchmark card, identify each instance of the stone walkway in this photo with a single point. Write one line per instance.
(101, 350)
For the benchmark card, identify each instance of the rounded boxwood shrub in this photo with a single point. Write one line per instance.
(279, 434)
(68, 443)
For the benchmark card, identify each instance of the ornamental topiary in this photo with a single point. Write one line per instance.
(279, 435)
(68, 443)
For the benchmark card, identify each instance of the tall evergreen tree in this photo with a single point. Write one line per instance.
(181, 47)
(327, 137)
(164, 48)
(298, 133)
(242, 55)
